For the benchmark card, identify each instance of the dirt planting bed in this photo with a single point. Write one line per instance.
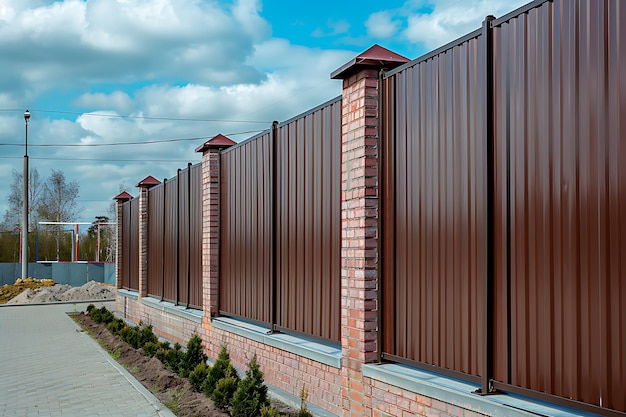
(172, 390)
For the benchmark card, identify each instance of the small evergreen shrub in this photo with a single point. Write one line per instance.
(116, 325)
(101, 315)
(194, 355)
(173, 358)
(150, 349)
(130, 335)
(217, 372)
(90, 308)
(269, 412)
(198, 375)
(251, 394)
(148, 336)
(138, 336)
(161, 354)
(225, 389)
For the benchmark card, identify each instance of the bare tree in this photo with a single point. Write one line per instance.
(13, 215)
(59, 203)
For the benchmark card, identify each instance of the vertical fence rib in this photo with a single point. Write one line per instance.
(274, 218)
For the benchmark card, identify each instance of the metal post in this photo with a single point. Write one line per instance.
(25, 204)
(76, 245)
(98, 245)
(487, 318)
(275, 219)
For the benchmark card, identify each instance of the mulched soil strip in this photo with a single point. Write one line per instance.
(167, 386)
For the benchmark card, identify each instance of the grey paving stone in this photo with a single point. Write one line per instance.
(50, 368)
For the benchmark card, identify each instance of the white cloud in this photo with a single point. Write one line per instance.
(80, 43)
(246, 12)
(382, 25)
(446, 21)
(117, 100)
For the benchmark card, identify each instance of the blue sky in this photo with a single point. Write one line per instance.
(184, 70)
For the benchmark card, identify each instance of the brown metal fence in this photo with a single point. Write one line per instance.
(246, 281)
(560, 141)
(434, 210)
(502, 200)
(280, 225)
(130, 245)
(308, 150)
(175, 239)
(156, 240)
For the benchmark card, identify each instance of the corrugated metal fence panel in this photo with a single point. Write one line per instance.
(183, 237)
(170, 255)
(246, 230)
(156, 240)
(309, 215)
(125, 253)
(133, 249)
(195, 224)
(561, 135)
(434, 272)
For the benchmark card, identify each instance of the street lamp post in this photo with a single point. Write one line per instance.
(25, 205)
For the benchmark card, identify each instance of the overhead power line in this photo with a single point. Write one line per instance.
(145, 142)
(96, 159)
(174, 119)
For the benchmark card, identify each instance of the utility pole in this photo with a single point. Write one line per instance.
(25, 205)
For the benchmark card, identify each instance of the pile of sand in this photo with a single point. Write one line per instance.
(63, 292)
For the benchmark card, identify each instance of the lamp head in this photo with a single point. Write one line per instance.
(26, 116)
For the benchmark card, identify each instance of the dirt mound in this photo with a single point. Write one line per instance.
(8, 292)
(63, 292)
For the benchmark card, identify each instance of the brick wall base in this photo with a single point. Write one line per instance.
(391, 401)
(170, 326)
(325, 384)
(128, 308)
(283, 370)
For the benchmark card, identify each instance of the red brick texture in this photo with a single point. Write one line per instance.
(282, 369)
(359, 238)
(210, 230)
(128, 308)
(171, 326)
(143, 241)
(391, 401)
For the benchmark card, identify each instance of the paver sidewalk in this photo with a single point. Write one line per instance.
(50, 368)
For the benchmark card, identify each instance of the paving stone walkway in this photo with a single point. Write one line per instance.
(50, 368)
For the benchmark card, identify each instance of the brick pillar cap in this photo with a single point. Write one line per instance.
(216, 142)
(123, 196)
(375, 57)
(148, 182)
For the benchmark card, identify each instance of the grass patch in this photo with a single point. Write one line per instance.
(174, 403)
(116, 354)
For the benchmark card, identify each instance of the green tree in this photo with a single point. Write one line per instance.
(89, 240)
(251, 394)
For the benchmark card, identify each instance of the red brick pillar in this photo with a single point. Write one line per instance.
(120, 199)
(211, 225)
(359, 221)
(144, 185)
